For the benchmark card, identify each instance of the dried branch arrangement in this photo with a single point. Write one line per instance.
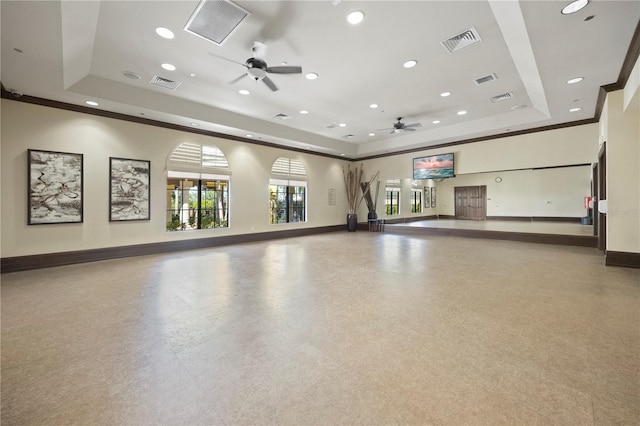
(352, 179)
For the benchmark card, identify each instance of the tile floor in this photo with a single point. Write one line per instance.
(339, 328)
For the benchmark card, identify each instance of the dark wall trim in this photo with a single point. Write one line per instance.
(537, 219)
(620, 258)
(566, 240)
(25, 263)
(124, 117)
(483, 138)
(523, 218)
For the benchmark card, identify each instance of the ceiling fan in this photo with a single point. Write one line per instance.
(400, 127)
(257, 68)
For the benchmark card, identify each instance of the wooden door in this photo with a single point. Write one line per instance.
(471, 202)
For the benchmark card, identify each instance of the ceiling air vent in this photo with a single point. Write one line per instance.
(502, 97)
(282, 116)
(486, 79)
(462, 40)
(215, 20)
(164, 82)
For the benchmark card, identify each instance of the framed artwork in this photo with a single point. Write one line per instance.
(55, 187)
(129, 189)
(427, 198)
(433, 196)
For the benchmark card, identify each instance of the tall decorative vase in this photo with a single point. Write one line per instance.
(352, 222)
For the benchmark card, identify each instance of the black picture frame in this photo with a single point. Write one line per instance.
(129, 189)
(427, 198)
(55, 187)
(433, 197)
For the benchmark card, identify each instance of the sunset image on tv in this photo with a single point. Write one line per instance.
(433, 167)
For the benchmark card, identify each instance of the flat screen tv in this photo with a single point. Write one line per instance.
(433, 167)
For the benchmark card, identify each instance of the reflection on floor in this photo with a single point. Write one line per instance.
(536, 227)
(346, 328)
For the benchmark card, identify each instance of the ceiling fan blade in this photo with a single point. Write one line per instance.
(413, 125)
(270, 83)
(227, 59)
(408, 129)
(285, 69)
(237, 79)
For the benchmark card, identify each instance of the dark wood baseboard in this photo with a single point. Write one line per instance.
(37, 261)
(395, 221)
(567, 240)
(621, 258)
(537, 218)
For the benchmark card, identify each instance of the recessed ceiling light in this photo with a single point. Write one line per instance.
(575, 80)
(165, 33)
(574, 6)
(132, 75)
(461, 112)
(168, 67)
(410, 64)
(92, 103)
(304, 111)
(373, 106)
(436, 121)
(356, 17)
(575, 109)
(195, 124)
(243, 91)
(445, 94)
(311, 76)
(372, 134)
(341, 155)
(192, 74)
(342, 124)
(249, 135)
(516, 107)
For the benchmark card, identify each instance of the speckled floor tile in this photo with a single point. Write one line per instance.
(340, 328)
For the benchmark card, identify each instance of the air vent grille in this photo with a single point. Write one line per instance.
(282, 117)
(164, 82)
(502, 97)
(486, 79)
(215, 20)
(462, 40)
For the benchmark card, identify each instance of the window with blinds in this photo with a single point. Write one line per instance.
(287, 197)
(196, 155)
(284, 166)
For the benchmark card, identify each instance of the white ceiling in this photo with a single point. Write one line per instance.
(75, 51)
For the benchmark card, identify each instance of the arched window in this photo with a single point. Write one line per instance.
(198, 179)
(288, 191)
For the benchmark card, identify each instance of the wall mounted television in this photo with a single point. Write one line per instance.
(433, 167)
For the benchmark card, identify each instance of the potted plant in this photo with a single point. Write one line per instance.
(356, 191)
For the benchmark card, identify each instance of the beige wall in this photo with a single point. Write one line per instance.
(622, 138)
(26, 126)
